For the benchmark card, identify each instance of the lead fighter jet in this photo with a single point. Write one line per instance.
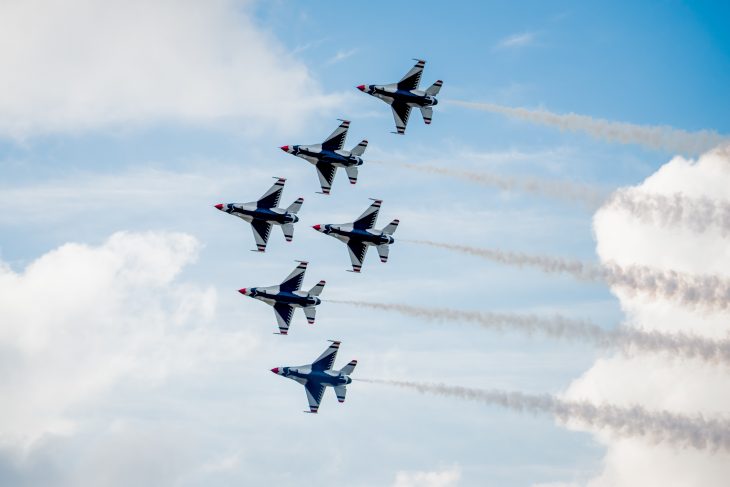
(287, 296)
(359, 234)
(404, 95)
(329, 155)
(262, 214)
(316, 376)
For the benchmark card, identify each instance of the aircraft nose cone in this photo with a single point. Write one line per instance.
(242, 291)
(361, 87)
(275, 370)
(285, 148)
(219, 206)
(317, 227)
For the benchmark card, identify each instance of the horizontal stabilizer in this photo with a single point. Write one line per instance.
(434, 89)
(351, 173)
(359, 149)
(347, 369)
(288, 229)
(310, 312)
(317, 289)
(427, 113)
(391, 227)
(296, 206)
(340, 392)
(383, 252)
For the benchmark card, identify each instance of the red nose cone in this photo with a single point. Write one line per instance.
(317, 226)
(285, 148)
(242, 291)
(219, 206)
(275, 370)
(361, 87)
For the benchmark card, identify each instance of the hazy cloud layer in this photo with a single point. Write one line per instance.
(83, 64)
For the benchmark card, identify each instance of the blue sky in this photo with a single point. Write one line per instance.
(661, 64)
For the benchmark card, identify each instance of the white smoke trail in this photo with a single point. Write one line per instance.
(562, 327)
(655, 137)
(710, 292)
(658, 426)
(698, 214)
(589, 196)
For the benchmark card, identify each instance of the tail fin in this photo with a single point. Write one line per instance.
(296, 206)
(351, 173)
(391, 227)
(317, 289)
(434, 89)
(288, 229)
(359, 149)
(347, 369)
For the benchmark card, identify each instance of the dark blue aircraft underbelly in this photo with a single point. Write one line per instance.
(364, 237)
(329, 157)
(288, 298)
(265, 215)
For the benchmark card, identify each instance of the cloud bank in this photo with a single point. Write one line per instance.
(680, 387)
(84, 64)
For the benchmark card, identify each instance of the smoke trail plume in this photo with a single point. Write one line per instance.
(655, 137)
(710, 292)
(658, 426)
(589, 196)
(698, 214)
(564, 328)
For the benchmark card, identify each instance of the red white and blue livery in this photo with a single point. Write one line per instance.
(263, 214)
(405, 95)
(319, 375)
(329, 155)
(361, 234)
(287, 296)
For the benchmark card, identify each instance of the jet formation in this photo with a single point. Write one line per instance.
(358, 235)
(329, 155)
(287, 296)
(405, 95)
(319, 375)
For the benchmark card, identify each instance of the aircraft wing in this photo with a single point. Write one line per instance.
(327, 359)
(283, 313)
(413, 77)
(271, 198)
(261, 232)
(357, 254)
(314, 395)
(337, 138)
(369, 217)
(326, 173)
(401, 112)
(293, 282)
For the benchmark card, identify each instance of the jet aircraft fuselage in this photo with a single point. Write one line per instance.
(304, 374)
(316, 154)
(346, 234)
(389, 94)
(251, 212)
(300, 299)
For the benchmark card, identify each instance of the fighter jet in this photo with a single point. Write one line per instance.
(317, 376)
(329, 155)
(287, 296)
(359, 234)
(404, 95)
(262, 214)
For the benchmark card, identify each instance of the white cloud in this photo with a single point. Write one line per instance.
(341, 55)
(438, 478)
(685, 387)
(80, 319)
(514, 41)
(82, 64)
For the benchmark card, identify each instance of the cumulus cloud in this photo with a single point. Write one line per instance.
(80, 319)
(682, 388)
(83, 64)
(448, 477)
